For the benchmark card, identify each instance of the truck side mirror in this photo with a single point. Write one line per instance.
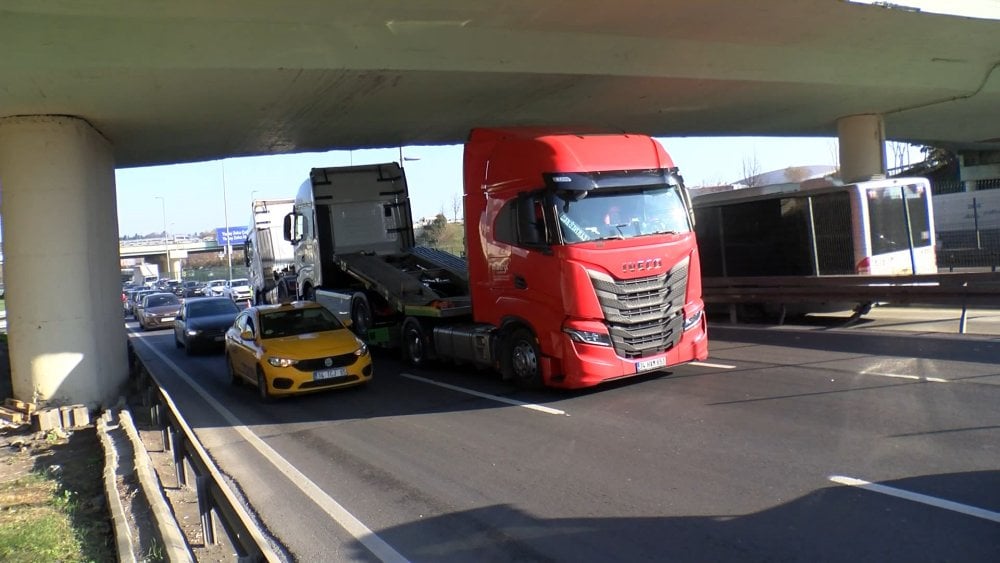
(287, 227)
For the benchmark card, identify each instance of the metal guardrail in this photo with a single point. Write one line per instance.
(929, 289)
(957, 289)
(216, 501)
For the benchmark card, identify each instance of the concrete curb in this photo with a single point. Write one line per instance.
(175, 546)
(123, 533)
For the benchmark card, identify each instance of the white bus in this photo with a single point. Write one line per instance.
(816, 228)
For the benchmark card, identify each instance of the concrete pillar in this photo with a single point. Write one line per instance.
(862, 147)
(60, 227)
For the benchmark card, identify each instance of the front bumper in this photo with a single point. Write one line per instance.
(291, 381)
(586, 365)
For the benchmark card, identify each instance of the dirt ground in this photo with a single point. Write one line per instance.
(75, 458)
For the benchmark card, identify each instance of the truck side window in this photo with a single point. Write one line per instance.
(505, 227)
(530, 221)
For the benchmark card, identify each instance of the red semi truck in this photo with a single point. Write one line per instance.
(581, 264)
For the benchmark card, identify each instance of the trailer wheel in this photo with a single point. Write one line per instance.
(361, 316)
(415, 343)
(519, 362)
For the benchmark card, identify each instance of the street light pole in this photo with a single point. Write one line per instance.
(166, 240)
(225, 216)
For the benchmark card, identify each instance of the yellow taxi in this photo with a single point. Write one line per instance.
(291, 348)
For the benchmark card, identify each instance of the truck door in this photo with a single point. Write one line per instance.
(523, 272)
(324, 233)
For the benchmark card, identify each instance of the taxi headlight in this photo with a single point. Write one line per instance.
(281, 362)
(362, 349)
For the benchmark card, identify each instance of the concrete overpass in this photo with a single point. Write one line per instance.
(87, 87)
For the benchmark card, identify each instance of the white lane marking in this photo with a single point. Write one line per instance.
(912, 377)
(348, 521)
(516, 403)
(917, 497)
(708, 365)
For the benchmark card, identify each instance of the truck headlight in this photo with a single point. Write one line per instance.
(588, 337)
(281, 362)
(693, 321)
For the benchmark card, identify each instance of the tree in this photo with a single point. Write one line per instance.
(456, 206)
(751, 171)
(433, 232)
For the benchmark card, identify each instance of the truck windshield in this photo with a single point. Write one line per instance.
(621, 214)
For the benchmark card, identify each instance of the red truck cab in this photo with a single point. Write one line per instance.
(581, 251)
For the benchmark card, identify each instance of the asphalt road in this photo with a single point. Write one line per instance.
(786, 445)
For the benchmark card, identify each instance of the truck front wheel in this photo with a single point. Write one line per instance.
(519, 362)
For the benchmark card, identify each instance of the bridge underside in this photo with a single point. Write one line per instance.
(88, 87)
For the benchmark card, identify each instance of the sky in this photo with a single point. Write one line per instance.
(193, 195)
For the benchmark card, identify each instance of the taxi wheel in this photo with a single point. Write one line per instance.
(233, 378)
(262, 393)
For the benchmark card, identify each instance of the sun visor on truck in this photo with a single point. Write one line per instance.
(583, 182)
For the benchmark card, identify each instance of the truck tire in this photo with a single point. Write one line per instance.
(520, 360)
(416, 344)
(361, 316)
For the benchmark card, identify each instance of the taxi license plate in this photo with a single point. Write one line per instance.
(329, 373)
(647, 365)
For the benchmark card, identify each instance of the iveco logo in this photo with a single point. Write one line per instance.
(328, 362)
(642, 265)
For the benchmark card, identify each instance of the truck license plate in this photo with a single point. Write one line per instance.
(329, 373)
(646, 365)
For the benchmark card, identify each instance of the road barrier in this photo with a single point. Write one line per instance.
(957, 289)
(216, 501)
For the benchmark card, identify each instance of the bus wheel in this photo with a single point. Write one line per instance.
(519, 362)
(361, 316)
(415, 342)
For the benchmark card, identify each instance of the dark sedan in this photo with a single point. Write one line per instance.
(202, 323)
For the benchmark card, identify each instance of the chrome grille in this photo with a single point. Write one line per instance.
(645, 316)
(343, 360)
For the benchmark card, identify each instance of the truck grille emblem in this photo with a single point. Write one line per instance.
(647, 265)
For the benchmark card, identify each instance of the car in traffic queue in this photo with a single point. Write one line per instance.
(297, 347)
(190, 289)
(214, 287)
(159, 310)
(135, 300)
(202, 323)
(238, 289)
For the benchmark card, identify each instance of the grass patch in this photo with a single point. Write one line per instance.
(52, 504)
(36, 522)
